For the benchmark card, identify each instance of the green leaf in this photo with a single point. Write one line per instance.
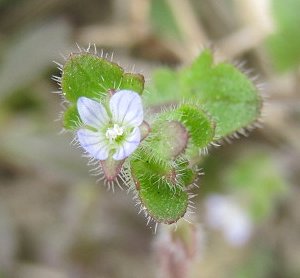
(88, 75)
(187, 175)
(134, 82)
(284, 45)
(194, 131)
(224, 92)
(161, 187)
(201, 128)
(163, 88)
(165, 202)
(200, 64)
(71, 118)
(165, 85)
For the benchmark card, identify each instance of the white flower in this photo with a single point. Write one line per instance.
(112, 130)
(224, 214)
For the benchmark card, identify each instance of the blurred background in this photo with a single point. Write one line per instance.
(57, 222)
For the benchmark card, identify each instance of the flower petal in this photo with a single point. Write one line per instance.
(91, 112)
(93, 143)
(129, 146)
(126, 108)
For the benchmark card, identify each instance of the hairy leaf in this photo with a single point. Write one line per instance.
(88, 75)
(71, 118)
(197, 131)
(228, 95)
(164, 201)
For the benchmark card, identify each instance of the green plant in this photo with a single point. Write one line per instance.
(155, 157)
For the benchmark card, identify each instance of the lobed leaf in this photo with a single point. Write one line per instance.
(228, 95)
(201, 128)
(90, 76)
(85, 74)
(163, 202)
(194, 130)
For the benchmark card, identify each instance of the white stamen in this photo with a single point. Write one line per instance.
(122, 105)
(113, 132)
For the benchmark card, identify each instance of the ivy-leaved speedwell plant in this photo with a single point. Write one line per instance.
(155, 156)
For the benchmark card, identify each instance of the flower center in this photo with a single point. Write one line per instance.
(113, 132)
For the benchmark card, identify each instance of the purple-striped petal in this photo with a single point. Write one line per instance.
(94, 143)
(126, 108)
(91, 112)
(129, 146)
